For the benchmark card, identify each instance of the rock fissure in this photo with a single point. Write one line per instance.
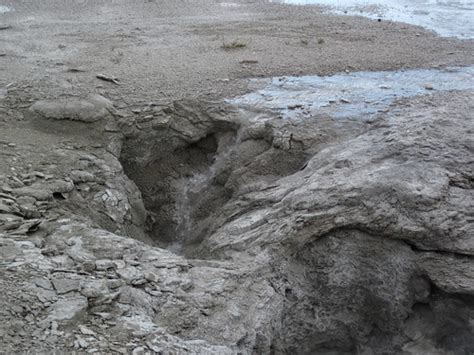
(245, 214)
(337, 256)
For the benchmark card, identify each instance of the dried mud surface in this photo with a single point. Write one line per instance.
(148, 216)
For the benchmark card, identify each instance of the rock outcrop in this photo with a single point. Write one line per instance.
(314, 237)
(90, 109)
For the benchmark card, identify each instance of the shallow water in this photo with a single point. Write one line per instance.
(450, 18)
(4, 9)
(354, 95)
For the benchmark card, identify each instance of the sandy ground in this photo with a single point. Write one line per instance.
(165, 50)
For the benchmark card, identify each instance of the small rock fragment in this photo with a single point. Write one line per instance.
(86, 331)
(130, 274)
(138, 351)
(80, 176)
(91, 109)
(295, 106)
(152, 277)
(94, 289)
(81, 342)
(113, 284)
(108, 78)
(43, 283)
(104, 265)
(66, 310)
(63, 285)
(38, 174)
(37, 193)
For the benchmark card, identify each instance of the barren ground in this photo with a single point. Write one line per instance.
(323, 237)
(163, 50)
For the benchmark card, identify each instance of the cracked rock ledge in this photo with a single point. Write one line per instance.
(201, 229)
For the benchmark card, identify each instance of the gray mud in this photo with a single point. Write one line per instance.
(147, 214)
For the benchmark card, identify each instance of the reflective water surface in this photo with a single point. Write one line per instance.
(358, 94)
(4, 9)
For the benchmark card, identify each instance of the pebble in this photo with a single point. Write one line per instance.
(139, 351)
(38, 174)
(139, 282)
(66, 310)
(7, 197)
(295, 106)
(43, 283)
(6, 189)
(16, 182)
(113, 284)
(88, 266)
(38, 194)
(103, 315)
(133, 262)
(104, 265)
(26, 200)
(82, 343)
(79, 176)
(151, 277)
(62, 285)
(94, 288)
(86, 331)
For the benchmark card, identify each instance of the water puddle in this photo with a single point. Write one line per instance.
(4, 9)
(450, 18)
(354, 95)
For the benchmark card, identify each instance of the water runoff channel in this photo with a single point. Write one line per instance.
(362, 94)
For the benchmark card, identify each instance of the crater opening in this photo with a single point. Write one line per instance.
(172, 165)
(190, 169)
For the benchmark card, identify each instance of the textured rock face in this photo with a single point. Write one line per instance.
(90, 109)
(314, 237)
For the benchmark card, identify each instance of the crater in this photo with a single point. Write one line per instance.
(189, 169)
